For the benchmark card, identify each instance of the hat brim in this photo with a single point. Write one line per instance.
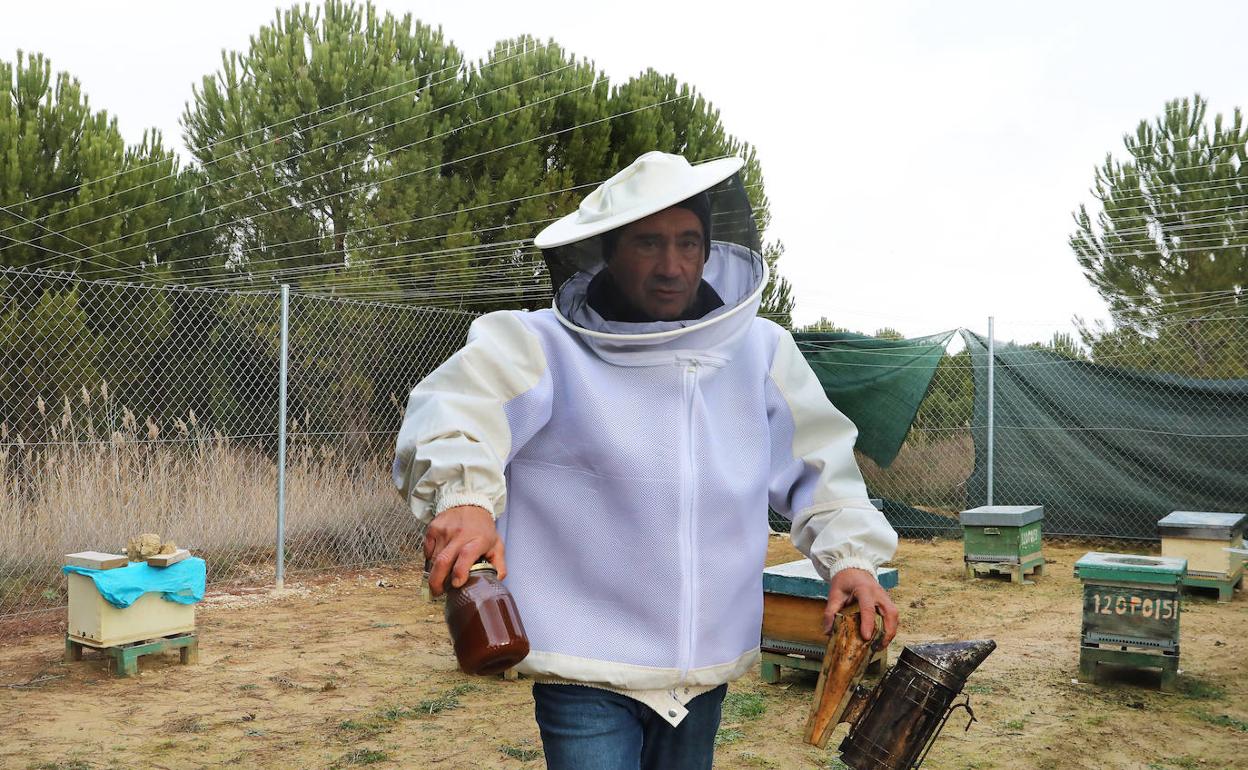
(702, 177)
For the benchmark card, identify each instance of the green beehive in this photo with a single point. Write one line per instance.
(1003, 539)
(1131, 607)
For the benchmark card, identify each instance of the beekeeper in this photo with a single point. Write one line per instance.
(625, 445)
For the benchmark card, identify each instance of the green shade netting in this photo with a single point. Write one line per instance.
(877, 383)
(1107, 451)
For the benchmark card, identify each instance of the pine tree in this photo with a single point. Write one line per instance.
(1173, 220)
(299, 135)
(73, 196)
(1169, 250)
(350, 148)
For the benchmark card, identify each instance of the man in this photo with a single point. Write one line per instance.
(625, 445)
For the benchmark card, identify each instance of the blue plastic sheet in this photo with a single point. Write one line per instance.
(182, 582)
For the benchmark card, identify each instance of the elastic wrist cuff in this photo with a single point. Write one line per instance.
(850, 563)
(465, 498)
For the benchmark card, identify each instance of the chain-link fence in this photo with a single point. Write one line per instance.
(1109, 436)
(131, 408)
(134, 408)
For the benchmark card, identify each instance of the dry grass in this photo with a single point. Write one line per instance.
(932, 474)
(212, 494)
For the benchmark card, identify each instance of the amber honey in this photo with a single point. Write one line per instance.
(485, 624)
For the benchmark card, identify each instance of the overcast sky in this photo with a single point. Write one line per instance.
(922, 158)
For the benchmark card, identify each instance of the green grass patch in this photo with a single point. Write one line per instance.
(1014, 724)
(730, 735)
(382, 720)
(1223, 720)
(446, 701)
(366, 728)
(68, 764)
(739, 706)
(1198, 689)
(980, 688)
(395, 713)
(1098, 720)
(520, 753)
(360, 757)
(1169, 763)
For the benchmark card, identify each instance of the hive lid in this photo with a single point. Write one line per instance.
(1130, 567)
(799, 578)
(1002, 515)
(1202, 525)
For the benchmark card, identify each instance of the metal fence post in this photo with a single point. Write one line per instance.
(991, 389)
(281, 441)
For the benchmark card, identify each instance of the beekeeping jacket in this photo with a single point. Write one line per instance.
(630, 467)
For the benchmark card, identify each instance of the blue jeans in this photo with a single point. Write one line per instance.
(584, 728)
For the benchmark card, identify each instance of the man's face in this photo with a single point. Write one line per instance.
(658, 262)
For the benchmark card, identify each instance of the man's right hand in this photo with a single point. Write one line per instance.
(456, 539)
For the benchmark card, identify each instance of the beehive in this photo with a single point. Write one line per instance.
(794, 597)
(1131, 607)
(96, 623)
(1202, 538)
(1004, 539)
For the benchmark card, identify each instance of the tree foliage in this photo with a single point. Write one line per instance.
(345, 149)
(72, 194)
(349, 139)
(1174, 218)
(1169, 249)
(296, 135)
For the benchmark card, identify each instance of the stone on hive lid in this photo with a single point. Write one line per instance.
(1002, 515)
(1203, 525)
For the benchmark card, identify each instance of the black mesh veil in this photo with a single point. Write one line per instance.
(732, 220)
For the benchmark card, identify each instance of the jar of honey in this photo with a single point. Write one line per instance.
(484, 623)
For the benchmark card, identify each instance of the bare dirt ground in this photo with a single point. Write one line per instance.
(357, 670)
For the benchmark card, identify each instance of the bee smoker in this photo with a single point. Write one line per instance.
(893, 726)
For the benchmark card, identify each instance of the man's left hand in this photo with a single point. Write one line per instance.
(857, 585)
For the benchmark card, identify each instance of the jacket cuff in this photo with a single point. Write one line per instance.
(850, 562)
(455, 499)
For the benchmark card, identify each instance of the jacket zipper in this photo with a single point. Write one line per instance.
(690, 598)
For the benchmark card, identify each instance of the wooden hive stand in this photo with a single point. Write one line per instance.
(794, 597)
(124, 658)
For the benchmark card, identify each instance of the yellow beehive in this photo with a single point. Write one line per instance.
(96, 623)
(1202, 538)
(1204, 556)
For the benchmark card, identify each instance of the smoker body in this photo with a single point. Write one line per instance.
(894, 725)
